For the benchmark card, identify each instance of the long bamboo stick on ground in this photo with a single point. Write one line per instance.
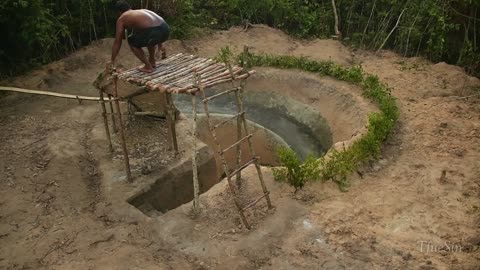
(53, 94)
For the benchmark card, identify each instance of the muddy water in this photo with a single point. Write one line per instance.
(276, 119)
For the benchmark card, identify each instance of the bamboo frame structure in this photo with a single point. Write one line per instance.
(182, 74)
(191, 74)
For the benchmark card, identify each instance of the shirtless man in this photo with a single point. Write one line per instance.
(145, 29)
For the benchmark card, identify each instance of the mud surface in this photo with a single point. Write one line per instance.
(59, 207)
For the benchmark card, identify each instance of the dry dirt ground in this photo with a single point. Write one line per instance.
(418, 207)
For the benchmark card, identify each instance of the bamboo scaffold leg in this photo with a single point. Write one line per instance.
(122, 131)
(114, 125)
(196, 191)
(170, 113)
(105, 121)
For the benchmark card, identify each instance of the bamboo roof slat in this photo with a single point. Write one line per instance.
(175, 74)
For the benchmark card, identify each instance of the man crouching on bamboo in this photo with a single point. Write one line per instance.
(145, 29)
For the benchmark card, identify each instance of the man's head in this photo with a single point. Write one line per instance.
(122, 6)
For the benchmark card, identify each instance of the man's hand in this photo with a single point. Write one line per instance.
(110, 66)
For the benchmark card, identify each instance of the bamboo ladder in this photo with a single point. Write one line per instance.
(241, 124)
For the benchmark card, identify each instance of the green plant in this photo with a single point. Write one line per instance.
(295, 172)
(40, 31)
(225, 55)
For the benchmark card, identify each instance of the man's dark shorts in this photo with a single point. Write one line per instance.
(149, 36)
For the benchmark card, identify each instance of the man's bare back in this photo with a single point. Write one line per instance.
(140, 19)
(146, 29)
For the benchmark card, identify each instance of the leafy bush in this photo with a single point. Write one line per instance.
(39, 31)
(295, 172)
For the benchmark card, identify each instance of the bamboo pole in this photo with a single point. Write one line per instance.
(114, 125)
(171, 122)
(238, 95)
(105, 121)
(368, 23)
(122, 132)
(196, 191)
(408, 36)
(53, 94)
(167, 114)
(239, 132)
(391, 32)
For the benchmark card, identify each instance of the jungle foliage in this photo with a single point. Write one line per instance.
(39, 31)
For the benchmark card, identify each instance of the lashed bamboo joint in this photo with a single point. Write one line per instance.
(175, 74)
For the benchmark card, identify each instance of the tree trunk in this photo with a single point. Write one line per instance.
(338, 34)
(391, 32)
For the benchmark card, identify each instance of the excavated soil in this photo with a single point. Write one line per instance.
(416, 208)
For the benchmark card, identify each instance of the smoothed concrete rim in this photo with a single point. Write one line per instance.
(302, 86)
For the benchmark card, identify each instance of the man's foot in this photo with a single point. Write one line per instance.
(152, 61)
(161, 54)
(146, 69)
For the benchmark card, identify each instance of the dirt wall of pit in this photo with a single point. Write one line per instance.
(342, 112)
(174, 186)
